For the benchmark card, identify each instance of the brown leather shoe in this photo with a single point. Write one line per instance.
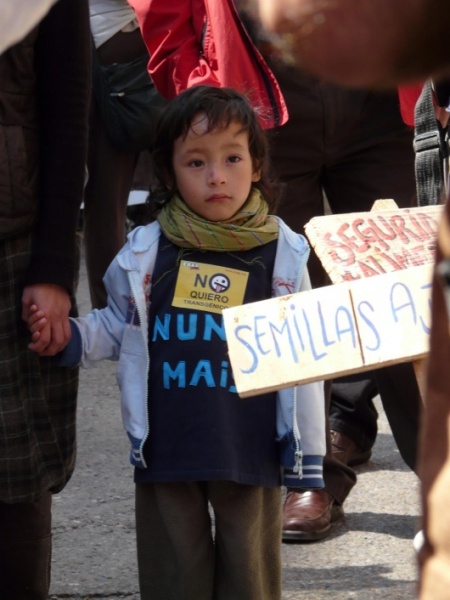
(345, 450)
(307, 515)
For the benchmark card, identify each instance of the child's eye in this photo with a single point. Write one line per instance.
(196, 163)
(234, 159)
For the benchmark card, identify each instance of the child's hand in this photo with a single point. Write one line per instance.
(55, 303)
(36, 322)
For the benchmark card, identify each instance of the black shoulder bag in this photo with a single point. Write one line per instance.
(129, 102)
(431, 145)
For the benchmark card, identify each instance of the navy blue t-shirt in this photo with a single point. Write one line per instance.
(200, 429)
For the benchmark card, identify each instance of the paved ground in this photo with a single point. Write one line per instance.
(369, 556)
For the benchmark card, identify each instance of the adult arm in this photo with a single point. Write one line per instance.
(63, 87)
(203, 42)
(172, 32)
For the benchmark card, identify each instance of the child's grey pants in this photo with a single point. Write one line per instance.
(181, 557)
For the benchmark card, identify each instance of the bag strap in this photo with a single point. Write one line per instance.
(430, 146)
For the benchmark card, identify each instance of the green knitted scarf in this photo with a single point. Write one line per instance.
(252, 226)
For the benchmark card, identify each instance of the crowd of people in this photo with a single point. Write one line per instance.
(237, 172)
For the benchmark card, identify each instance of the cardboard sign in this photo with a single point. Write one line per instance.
(362, 324)
(357, 245)
(331, 331)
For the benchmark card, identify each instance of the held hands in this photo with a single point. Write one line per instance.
(45, 309)
(36, 323)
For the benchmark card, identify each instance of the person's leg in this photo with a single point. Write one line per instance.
(25, 549)
(174, 542)
(37, 433)
(402, 403)
(370, 151)
(339, 478)
(353, 418)
(297, 157)
(370, 157)
(247, 541)
(105, 203)
(110, 176)
(297, 154)
(308, 514)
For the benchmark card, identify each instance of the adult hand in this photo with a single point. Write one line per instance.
(442, 116)
(54, 301)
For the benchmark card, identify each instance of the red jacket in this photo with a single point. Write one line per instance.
(408, 96)
(203, 42)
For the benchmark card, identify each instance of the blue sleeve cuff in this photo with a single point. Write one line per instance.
(71, 355)
(309, 476)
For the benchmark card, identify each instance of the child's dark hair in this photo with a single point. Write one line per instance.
(221, 106)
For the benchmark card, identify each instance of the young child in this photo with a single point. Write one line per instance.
(195, 444)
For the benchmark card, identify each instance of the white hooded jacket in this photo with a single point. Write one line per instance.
(120, 332)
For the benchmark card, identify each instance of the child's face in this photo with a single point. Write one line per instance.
(214, 171)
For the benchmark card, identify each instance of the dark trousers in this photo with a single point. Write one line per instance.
(352, 410)
(352, 146)
(110, 177)
(25, 549)
(181, 558)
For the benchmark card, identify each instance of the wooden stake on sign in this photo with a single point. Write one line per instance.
(420, 371)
